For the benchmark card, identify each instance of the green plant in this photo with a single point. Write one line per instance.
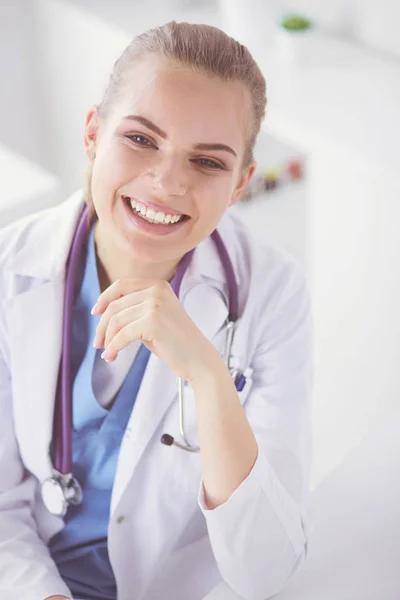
(295, 22)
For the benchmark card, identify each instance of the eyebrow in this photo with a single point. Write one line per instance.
(153, 127)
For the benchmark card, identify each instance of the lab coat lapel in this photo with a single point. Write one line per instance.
(34, 315)
(35, 327)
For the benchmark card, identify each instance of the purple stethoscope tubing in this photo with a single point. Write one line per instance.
(63, 420)
(63, 416)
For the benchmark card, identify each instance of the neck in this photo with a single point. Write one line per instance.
(110, 265)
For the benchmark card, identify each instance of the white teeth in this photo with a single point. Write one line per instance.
(149, 214)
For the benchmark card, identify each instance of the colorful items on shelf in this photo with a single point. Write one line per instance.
(270, 179)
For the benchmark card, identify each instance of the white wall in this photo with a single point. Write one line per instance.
(135, 16)
(25, 187)
(283, 218)
(376, 22)
(19, 107)
(354, 240)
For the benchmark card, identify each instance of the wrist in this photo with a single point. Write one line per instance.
(209, 370)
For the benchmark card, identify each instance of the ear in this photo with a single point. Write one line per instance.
(243, 182)
(91, 132)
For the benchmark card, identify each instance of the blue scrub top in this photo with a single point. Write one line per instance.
(80, 549)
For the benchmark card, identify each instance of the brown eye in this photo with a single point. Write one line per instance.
(140, 140)
(209, 164)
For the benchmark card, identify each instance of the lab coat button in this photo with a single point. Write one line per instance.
(120, 520)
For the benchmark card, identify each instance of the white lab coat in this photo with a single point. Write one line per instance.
(163, 542)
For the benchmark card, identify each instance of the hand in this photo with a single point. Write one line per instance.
(57, 598)
(148, 310)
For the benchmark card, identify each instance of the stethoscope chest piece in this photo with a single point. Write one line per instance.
(59, 491)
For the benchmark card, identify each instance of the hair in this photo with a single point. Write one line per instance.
(202, 48)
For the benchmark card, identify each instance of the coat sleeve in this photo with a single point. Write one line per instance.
(26, 568)
(259, 535)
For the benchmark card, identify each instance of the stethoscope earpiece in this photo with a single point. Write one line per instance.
(168, 440)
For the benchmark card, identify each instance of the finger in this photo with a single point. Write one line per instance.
(115, 307)
(118, 289)
(122, 319)
(131, 333)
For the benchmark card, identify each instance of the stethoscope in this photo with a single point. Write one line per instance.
(63, 489)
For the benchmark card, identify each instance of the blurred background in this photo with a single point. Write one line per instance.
(327, 187)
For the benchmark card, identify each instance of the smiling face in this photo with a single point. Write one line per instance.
(174, 141)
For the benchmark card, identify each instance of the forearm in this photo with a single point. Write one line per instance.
(227, 443)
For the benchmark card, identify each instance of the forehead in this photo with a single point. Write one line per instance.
(182, 101)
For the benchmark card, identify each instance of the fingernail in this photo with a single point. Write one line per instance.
(94, 309)
(106, 355)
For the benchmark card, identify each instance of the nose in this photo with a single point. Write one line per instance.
(169, 178)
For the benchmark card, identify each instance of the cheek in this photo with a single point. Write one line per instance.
(214, 196)
(115, 167)
(211, 205)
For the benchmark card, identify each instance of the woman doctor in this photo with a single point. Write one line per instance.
(170, 149)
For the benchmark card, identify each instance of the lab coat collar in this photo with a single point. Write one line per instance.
(44, 245)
